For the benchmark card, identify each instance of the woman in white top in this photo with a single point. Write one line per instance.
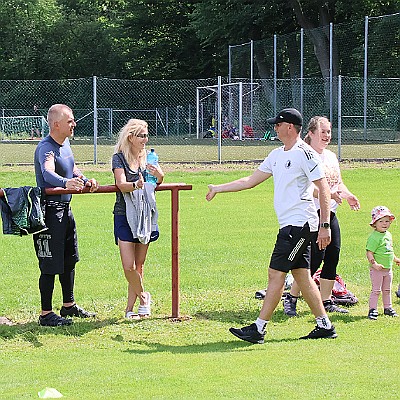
(318, 137)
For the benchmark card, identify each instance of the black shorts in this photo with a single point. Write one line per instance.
(58, 245)
(122, 231)
(292, 248)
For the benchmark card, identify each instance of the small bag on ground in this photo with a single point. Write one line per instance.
(340, 294)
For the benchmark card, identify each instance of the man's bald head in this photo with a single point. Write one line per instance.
(56, 113)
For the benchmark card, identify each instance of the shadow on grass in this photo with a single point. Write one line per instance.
(235, 317)
(32, 331)
(246, 316)
(212, 347)
(243, 316)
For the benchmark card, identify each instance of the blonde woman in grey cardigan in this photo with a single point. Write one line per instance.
(129, 169)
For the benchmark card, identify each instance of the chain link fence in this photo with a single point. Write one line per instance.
(224, 119)
(349, 49)
(182, 113)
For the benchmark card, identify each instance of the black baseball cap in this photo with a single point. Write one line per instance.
(290, 115)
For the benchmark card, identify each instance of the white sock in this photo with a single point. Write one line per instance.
(261, 325)
(324, 322)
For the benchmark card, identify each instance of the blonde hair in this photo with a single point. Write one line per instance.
(132, 128)
(313, 125)
(56, 112)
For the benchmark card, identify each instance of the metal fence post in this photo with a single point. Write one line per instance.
(189, 120)
(241, 111)
(339, 140)
(275, 71)
(198, 113)
(219, 105)
(95, 121)
(365, 75)
(251, 83)
(301, 68)
(330, 71)
(229, 64)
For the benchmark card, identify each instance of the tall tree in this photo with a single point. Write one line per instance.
(22, 34)
(221, 23)
(171, 39)
(319, 13)
(159, 43)
(314, 14)
(83, 40)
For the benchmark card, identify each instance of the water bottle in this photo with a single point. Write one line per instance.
(152, 159)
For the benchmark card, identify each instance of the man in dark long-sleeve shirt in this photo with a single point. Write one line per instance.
(57, 248)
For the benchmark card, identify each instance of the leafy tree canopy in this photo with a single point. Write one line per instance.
(164, 39)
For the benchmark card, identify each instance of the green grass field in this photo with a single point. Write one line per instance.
(225, 246)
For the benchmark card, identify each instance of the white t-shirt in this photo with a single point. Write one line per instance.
(332, 173)
(294, 171)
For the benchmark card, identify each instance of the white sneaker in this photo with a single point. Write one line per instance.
(144, 310)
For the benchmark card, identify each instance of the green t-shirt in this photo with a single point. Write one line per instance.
(381, 245)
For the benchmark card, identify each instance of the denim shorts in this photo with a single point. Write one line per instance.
(122, 231)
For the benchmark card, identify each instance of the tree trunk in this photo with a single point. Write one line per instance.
(319, 37)
(320, 40)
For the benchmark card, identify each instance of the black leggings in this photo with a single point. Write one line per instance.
(330, 256)
(46, 287)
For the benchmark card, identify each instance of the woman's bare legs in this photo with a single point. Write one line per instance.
(133, 256)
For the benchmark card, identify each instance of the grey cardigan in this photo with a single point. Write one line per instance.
(141, 212)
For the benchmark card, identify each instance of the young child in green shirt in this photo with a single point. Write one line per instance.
(381, 256)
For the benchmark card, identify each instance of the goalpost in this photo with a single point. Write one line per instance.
(228, 104)
(153, 118)
(23, 127)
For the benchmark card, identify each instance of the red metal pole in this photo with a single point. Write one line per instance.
(174, 188)
(175, 251)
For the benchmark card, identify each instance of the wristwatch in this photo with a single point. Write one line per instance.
(325, 225)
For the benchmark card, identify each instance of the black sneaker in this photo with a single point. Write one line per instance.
(75, 311)
(249, 334)
(398, 293)
(389, 311)
(373, 313)
(331, 307)
(52, 319)
(321, 333)
(289, 305)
